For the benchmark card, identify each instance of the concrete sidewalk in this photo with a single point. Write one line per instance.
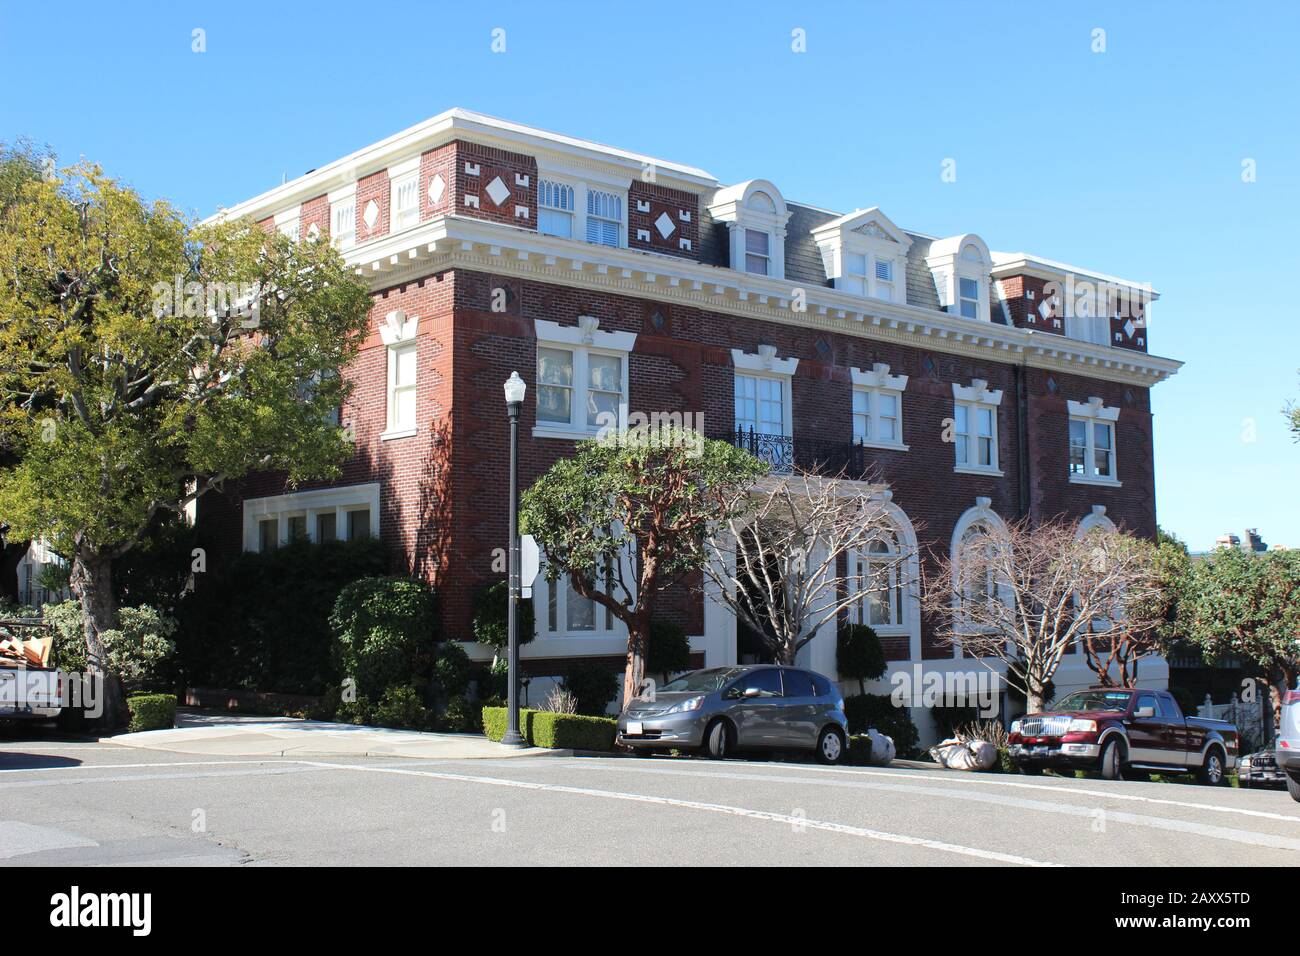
(243, 736)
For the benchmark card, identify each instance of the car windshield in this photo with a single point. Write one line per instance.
(1086, 700)
(705, 681)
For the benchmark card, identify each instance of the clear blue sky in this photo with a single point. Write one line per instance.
(1127, 161)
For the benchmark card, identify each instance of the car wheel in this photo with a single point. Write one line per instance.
(1112, 760)
(830, 746)
(717, 740)
(1211, 772)
(1293, 787)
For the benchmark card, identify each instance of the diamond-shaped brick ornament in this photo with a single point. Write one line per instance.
(1129, 328)
(436, 188)
(665, 225)
(498, 191)
(371, 214)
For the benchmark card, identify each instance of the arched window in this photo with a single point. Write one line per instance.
(974, 540)
(880, 569)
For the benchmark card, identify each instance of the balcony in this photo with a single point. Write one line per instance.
(785, 454)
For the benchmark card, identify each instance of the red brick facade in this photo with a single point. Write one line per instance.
(444, 489)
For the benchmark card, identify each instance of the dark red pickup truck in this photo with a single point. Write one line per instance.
(1123, 733)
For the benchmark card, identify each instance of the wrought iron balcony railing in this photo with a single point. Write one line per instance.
(784, 454)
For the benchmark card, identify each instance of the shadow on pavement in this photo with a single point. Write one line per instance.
(20, 761)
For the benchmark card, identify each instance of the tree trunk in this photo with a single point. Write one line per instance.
(1034, 697)
(638, 629)
(91, 581)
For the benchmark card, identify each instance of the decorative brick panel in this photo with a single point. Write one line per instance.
(496, 185)
(439, 163)
(663, 220)
(315, 212)
(373, 188)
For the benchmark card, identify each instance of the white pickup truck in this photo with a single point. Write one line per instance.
(28, 689)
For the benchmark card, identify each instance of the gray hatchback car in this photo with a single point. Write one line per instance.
(721, 710)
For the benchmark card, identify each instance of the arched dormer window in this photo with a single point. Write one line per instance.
(961, 267)
(756, 215)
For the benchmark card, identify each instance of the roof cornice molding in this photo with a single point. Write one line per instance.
(450, 242)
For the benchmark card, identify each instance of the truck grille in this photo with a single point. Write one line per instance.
(1044, 726)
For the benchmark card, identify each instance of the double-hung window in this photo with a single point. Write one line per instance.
(1092, 442)
(604, 217)
(968, 294)
(760, 404)
(401, 388)
(758, 255)
(976, 433)
(878, 407)
(880, 575)
(555, 208)
(582, 377)
(343, 223)
(567, 611)
(406, 201)
(975, 427)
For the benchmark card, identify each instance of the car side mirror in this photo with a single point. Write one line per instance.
(1144, 712)
(753, 692)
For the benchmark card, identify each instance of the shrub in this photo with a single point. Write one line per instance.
(260, 621)
(140, 649)
(401, 708)
(490, 610)
(451, 669)
(859, 654)
(560, 701)
(554, 731)
(865, 711)
(384, 632)
(593, 686)
(151, 712)
(668, 650)
(462, 716)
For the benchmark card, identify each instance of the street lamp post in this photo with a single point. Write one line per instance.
(514, 389)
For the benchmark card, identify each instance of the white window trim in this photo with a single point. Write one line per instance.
(582, 340)
(541, 619)
(398, 333)
(905, 535)
(580, 211)
(1090, 412)
(974, 396)
(310, 504)
(949, 264)
(981, 514)
(579, 190)
(878, 381)
(765, 364)
(399, 175)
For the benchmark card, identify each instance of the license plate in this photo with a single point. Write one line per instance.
(635, 728)
(1040, 751)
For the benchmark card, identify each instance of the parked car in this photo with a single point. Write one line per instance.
(1261, 770)
(1122, 733)
(1288, 742)
(722, 710)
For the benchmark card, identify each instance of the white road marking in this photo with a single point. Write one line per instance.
(787, 819)
(1245, 837)
(990, 780)
(287, 768)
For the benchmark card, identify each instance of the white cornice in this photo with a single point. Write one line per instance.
(1019, 263)
(476, 127)
(448, 242)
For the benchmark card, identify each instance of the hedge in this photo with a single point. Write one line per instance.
(151, 712)
(865, 711)
(542, 728)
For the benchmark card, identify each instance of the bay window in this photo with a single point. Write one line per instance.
(311, 516)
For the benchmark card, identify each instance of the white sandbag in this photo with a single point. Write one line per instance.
(985, 754)
(882, 748)
(958, 754)
(946, 751)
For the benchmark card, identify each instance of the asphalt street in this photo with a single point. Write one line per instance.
(97, 803)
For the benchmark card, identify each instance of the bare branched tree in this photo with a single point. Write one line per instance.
(798, 552)
(1024, 594)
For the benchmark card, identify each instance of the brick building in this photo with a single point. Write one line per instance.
(617, 282)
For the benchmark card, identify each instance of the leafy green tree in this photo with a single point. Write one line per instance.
(385, 630)
(145, 360)
(859, 654)
(646, 498)
(1248, 605)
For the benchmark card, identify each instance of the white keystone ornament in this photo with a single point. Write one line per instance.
(498, 191)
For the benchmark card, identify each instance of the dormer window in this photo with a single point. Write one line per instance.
(863, 253)
(961, 267)
(756, 215)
